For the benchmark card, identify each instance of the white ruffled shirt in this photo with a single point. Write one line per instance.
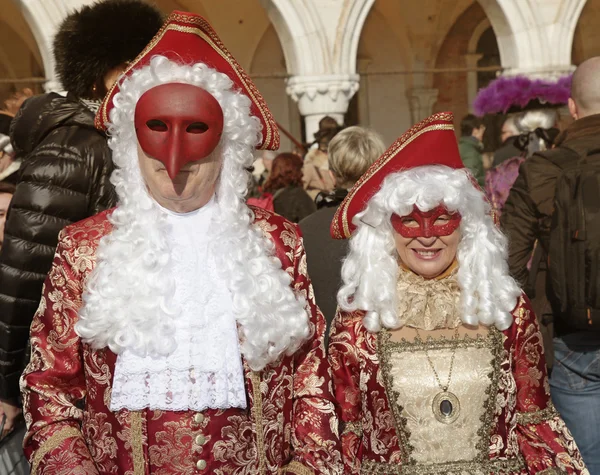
(205, 370)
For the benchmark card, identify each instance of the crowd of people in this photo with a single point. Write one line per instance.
(177, 296)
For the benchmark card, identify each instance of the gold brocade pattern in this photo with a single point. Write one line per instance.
(415, 450)
(428, 304)
(53, 442)
(293, 418)
(412, 380)
(488, 467)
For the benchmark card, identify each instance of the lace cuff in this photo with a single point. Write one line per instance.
(355, 427)
(536, 417)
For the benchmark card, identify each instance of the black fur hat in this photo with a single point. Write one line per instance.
(97, 38)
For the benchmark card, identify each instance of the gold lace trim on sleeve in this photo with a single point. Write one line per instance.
(551, 471)
(296, 468)
(355, 427)
(524, 418)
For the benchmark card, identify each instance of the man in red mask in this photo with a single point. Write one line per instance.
(181, 321)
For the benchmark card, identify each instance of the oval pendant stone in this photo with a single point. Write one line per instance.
(446, 408)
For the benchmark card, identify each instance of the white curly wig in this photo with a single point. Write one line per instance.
(128, 302)
(370, 271)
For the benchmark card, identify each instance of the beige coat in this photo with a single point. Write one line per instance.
(316, 176)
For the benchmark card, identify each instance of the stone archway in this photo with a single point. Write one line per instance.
(43, 18)
(534, 37)
(319, 40)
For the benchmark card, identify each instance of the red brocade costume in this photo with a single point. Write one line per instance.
(520, 431)
(432, 404)
(288, 426)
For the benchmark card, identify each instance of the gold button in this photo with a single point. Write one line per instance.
(201, 464)
(199, 418)
(200, 440)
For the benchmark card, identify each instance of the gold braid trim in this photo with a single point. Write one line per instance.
(355, 427)
(524, 418)
(511, 465)
(551, 471)
(400, 144)
(296, 468)
(257, 412)
(137, 443)
(52, 443)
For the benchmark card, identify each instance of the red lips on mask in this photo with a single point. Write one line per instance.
(424, 223)
(178, 123)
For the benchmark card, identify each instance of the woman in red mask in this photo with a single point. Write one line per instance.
(436, 354)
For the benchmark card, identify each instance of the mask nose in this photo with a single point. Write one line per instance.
(427, 231)
(174, 161)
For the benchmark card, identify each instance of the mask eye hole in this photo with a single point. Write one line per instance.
(409, 222)
(197, 128)
(157, 125)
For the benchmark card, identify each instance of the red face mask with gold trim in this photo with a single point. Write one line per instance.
(434, 223)
(178, 123)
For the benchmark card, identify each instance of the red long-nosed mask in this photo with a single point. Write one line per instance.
(426, 223)
(178, 123)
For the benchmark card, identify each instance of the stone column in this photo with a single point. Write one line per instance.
(44, 17)
(318, 96)
(471, 63)
(421, 102)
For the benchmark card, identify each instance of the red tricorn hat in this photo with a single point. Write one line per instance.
(187, 38)
(430, 142)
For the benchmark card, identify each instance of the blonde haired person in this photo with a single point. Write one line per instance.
(351, 152)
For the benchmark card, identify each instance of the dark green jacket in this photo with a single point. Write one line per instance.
(470, 152)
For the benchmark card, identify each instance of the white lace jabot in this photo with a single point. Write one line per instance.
(205, 370)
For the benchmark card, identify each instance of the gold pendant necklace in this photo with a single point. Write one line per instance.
(446, 406)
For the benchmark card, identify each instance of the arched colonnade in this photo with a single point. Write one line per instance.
(320, 41)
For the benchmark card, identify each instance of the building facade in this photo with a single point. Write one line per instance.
(378, 63)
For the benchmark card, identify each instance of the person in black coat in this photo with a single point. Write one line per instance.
(66, 166)
(351, 152)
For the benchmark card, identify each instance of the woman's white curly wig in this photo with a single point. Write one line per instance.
(128, 303)
(370, 271)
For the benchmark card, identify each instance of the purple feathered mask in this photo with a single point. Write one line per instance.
(519, 93)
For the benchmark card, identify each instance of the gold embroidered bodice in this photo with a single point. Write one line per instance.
(411, 387)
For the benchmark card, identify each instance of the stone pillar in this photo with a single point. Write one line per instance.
(535, 37)
(471, 63)
(318, 96)
(421, 102)
(44, 17)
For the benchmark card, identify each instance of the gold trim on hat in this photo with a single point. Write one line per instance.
(203, 29)
(407, 138)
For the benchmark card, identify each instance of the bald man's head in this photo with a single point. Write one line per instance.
(585, 90)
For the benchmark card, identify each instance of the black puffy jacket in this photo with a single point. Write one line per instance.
(64, 177)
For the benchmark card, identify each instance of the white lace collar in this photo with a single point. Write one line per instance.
(205, 370)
